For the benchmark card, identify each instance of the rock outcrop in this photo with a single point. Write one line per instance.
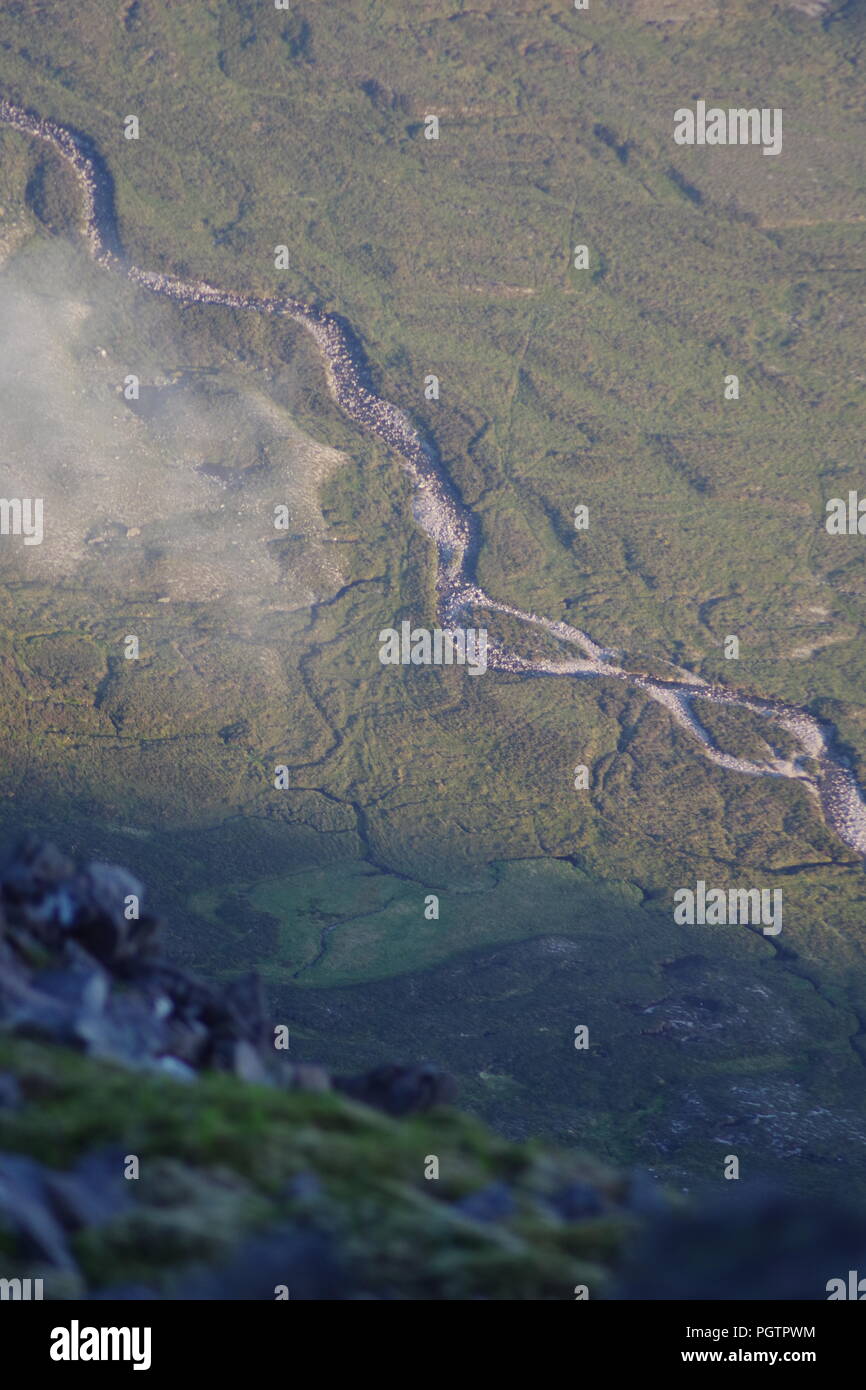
(81, 964)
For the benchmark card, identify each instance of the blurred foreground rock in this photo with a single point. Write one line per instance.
(80, 965)
(154, 1144)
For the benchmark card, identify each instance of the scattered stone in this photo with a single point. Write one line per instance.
(303, 1076)
(814, 9)
(78, 986)
(493, 1203)
(399, 1090)
(247, 1064)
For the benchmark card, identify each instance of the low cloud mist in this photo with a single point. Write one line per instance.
(168, 497)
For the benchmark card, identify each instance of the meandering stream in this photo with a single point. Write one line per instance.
(453, 528)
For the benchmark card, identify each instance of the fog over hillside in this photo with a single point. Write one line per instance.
(169, 496)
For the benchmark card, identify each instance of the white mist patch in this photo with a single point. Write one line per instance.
(170, 495)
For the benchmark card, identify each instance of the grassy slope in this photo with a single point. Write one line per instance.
(558, 386)
(220, 1161)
